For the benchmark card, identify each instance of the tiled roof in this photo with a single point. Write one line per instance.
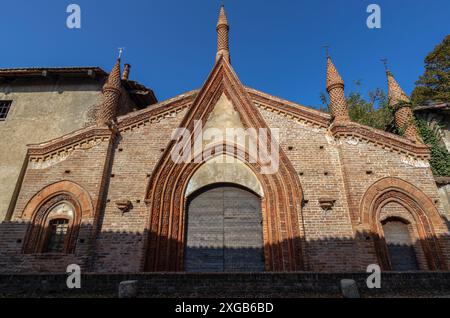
(441, 106)
(140, 94)
(38, 71)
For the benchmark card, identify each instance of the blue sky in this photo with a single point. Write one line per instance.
(276, 46)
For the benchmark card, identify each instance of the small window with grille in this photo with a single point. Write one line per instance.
(57, 235)
(5, 106)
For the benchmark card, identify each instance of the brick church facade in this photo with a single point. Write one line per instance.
(111, 198)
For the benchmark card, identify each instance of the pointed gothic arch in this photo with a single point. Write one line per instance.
(283, 232)
(421, 209)
(39, 212)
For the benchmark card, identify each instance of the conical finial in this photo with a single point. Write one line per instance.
(335, 89)
(333, 76)
(222, 36)
(222, 17)
(111, 97)
(396, 93)
(114, 78)
(400, 102)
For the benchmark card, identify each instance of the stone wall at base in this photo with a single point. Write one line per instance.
(261, 285)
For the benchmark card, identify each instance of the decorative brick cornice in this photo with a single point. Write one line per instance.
(83, 139)
(157, 112)
(60, 148)
(380, 138)
(289, 109)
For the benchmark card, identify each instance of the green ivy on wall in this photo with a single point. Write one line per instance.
(440, 157)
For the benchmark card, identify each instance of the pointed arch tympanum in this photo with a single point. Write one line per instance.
(422, 210)
(281, 204)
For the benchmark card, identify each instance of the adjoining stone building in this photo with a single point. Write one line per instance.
(127, 194)
(437, 115)
(40, 104)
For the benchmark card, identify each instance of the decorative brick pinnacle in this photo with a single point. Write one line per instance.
(396, 93)
(222, 17)
(111, 97)
(404, 117)
(335, 88)
(222, 36)
(333, 77)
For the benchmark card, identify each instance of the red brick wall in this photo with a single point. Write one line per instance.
(327, 169)
(120, 246)
(358, 158)
(83, 167)
(329, 235)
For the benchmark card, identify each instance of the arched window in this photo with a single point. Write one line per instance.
(54, 227)
(58, 223)
(57, 234)
(399, 238)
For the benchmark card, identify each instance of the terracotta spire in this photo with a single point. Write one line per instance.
(396, 93)
(222, 36)
(111, 97)
(399, 101)
(335, 88)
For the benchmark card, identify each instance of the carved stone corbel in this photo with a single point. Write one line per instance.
(327, 204)
(124, 205)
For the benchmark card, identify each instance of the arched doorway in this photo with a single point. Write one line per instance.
(170, 186)
(400, 245)
(224, 230)
(393, 199)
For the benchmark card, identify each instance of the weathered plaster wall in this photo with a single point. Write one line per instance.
(41, 110)
(224, 169)
(444, 195)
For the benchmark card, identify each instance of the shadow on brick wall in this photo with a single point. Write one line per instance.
(124, 252)
(119, 256)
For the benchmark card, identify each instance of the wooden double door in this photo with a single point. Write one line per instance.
(224, 230)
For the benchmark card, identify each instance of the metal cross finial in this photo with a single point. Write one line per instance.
(385, 63)
(121, 49)
(327, 50)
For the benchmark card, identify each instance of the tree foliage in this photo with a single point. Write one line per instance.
(373, 112)
(434, 84)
